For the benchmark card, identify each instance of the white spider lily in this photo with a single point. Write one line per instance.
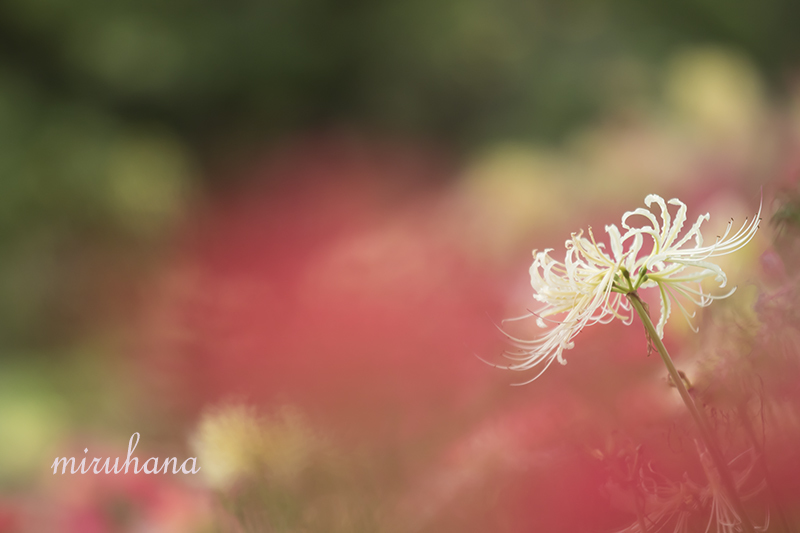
(591, 284)
(675, 266)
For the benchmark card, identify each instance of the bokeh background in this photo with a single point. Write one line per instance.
(274, 235)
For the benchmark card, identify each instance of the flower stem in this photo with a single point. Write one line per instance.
(697, 414)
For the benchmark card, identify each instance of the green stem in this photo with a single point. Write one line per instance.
(697, 414)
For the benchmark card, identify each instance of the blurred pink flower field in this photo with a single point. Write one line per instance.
(316, 332)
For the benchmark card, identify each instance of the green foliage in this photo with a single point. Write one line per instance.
(107, 107)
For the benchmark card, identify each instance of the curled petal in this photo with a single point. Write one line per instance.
(590, 285)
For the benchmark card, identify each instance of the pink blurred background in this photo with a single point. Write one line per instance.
(307, 310)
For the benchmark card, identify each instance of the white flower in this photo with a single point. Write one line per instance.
(591, 285)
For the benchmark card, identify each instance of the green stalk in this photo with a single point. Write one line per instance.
(697, 414)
